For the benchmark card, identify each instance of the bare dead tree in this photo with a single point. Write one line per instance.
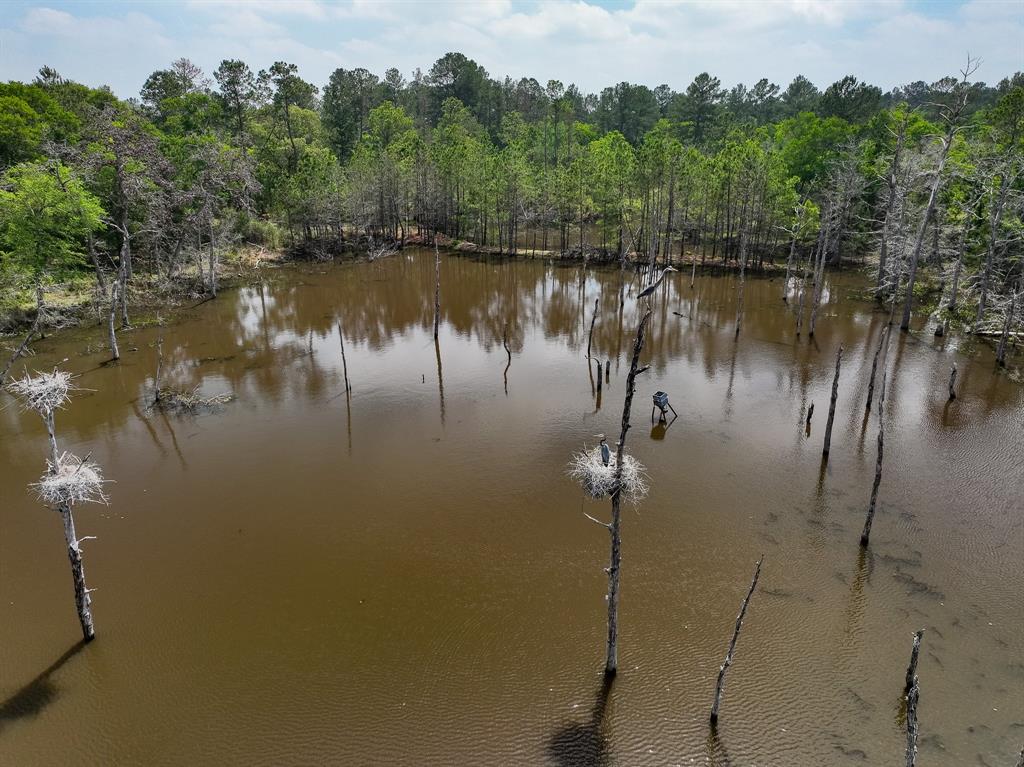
(743, 277)
(874, 369)
(68, 479)
(720, 684)
(590, 338)
(912, 668)
(912, 727)
(866, 532)
(832, 404)
(437, 294)
(344, 362)
(1020, 759)
(508, 351)
(952, 383)
(1004, 336)
(22, 347)
(951, 114)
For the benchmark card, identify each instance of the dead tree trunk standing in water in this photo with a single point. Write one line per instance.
(1011, 310)
(1020, 759)
(612, 656)
(952, 383)
(159, 369)
(832, 404)
(912, 692)
(719, 686)
(68, 479)
(912, 668)
(437, 296)
(508, 351)
(590, 338)
(874, 369)
(866, 533)
(743, 276)
(344, 362)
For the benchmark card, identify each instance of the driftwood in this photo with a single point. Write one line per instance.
(832, 404)
(720, 685)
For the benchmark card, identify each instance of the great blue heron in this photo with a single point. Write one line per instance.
(654, 285)
(606, 453)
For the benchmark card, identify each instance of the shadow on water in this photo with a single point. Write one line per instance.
(31, 699)
(584, 744)
(715, 752)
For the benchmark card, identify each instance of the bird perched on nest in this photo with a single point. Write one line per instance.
(654, 285)
(606, 453)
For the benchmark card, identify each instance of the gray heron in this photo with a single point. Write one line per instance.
(654, 285)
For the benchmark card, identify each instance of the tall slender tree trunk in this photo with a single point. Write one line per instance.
(437, 290)
(612, 645)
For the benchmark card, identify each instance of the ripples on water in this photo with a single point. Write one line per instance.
(403, 575)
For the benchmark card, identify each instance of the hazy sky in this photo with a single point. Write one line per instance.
(593, 43)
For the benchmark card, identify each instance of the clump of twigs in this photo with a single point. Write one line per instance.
(73, 480)
(598, 480)
(189, 400)
(383, 250)
(43, 392)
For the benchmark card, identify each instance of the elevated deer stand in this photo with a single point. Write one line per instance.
(661, 403)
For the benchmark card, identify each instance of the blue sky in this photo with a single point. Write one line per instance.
(593, 43)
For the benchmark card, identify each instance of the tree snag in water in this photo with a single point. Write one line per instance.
(344, 362)
(874, 369)
(952, 383)
(732, 645)
(590, 338)
(912, 668)
(437, 291)
(612, 656)
(832, 404)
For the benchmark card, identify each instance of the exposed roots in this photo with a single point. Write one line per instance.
(189, 401)
(73, 480)
(43, 392)
(587, 468)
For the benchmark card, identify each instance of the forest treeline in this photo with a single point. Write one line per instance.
(152, 191)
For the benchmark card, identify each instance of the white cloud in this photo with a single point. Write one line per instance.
(649, 41)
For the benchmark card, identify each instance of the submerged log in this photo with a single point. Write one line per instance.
(832, 404)
(720, 685)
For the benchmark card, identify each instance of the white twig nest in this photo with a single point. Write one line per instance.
(587, 468)
(73, 480)
(43, 392)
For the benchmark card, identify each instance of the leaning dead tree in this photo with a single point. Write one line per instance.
(866, 532)
(720, 685)
(832, 404)
(590, 338)
(68, 479)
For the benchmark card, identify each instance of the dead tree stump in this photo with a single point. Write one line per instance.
(719, 686)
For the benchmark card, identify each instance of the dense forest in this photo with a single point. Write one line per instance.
(923, 185)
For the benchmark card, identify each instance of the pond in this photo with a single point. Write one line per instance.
(404, 574)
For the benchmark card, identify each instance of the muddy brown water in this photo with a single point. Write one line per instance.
(405, 575)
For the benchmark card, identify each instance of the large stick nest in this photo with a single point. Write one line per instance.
(43, 392)
(72, 480)
(190, 401)
(598, 480)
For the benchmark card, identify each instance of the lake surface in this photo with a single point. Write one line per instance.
(405, 575)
